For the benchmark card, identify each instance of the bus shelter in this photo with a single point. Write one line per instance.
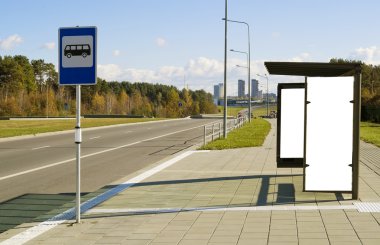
(331, 123)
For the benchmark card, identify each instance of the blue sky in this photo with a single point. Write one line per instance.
(172, 41)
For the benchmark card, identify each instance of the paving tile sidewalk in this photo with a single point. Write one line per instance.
(206, 198)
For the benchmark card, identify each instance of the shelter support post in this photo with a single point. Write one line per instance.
(356, 135)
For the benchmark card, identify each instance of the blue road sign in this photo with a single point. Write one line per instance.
(77, 55)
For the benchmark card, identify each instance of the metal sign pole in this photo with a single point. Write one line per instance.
(78, 140)
(77, 68)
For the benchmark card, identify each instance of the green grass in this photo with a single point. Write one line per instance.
(10, 128)
(250, 135)
(262, 111)
(257, 112)
(231, 110)
(370, 132)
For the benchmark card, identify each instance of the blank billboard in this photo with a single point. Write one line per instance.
(292, 123)
(329, 134)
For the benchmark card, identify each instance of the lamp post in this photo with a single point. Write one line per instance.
(266, 76)
(249, 63)
(249, 99)
(225, 73)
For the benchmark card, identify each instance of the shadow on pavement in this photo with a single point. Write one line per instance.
(40, 207)
(285, 194)
(32, 208)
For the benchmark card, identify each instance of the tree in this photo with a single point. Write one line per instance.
(31, 88)
(137, 102)
(98, 104)
(187, 102)
(370, 81)
(27, 73)
(123, 103)
(39, 72)
(172, 108)
(11, 77)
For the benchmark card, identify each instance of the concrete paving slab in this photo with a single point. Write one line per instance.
(209, 182)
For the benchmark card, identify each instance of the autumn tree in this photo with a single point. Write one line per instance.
(172, 108)
(123, 103)
(98, 104)
(30, 88)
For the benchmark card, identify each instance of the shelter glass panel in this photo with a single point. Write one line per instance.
(292, 123)
(329, 137)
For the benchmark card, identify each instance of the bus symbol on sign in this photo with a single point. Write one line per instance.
(77, 50)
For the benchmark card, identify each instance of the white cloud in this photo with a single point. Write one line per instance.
(116, 53)
(110, 72)
(10, 42)
(369, 55)
(49, 46)
(160, 42)
(199, 73)
(141, 75)
(301, 58)
(204, 67)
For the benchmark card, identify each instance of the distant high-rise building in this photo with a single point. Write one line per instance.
(241, 88)
(221, 90)
(216, 92)
(255, 88)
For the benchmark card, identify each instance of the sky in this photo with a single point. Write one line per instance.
(181, 42)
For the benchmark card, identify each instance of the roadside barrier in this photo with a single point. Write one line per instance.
(214, 131)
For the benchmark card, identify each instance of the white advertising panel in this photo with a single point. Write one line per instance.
(329, 134)
(292, 122)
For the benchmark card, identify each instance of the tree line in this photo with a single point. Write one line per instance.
(370, 89)
(30, 88)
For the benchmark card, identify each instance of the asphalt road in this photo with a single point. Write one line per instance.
(46, 164)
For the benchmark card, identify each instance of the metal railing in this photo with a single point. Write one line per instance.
(214, 131)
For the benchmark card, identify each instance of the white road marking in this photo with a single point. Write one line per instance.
(45, 226)
(65, 161)
(127, 132)
(89, 155)
(368, 207)
(96, 137)
(42, 147)
(223, 209)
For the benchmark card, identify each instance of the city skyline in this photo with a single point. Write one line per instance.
(256, 93)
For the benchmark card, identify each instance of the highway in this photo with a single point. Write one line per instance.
(46, 164)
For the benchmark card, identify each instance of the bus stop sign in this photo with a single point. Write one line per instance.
(77, 55)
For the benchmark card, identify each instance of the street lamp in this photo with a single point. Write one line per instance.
(225, 72)
(266, 76)
(249, 61)
(249, 100)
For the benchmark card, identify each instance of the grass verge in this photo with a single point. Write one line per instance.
(231, 110)
(370, 132)
(262, 111)
(250, 135)
(10, 128)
